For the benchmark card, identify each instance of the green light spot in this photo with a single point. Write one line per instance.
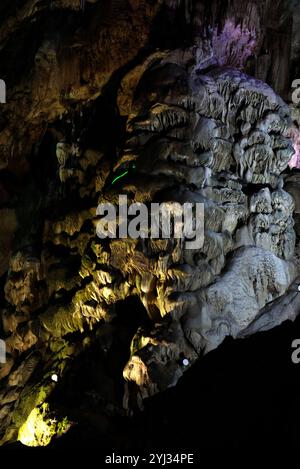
(118, 177)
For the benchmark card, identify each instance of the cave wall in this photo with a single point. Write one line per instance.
(87, 84)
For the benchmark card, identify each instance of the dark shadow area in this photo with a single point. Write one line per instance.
(243, 396)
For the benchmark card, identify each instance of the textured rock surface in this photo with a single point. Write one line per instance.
(176, 111)
(233, 137)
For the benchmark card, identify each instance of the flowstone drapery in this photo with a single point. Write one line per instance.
(169, 120)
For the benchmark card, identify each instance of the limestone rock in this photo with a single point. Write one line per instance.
(141, 99)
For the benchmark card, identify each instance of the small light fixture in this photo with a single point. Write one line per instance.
(298, 287)
(54, 378)
(185, 362)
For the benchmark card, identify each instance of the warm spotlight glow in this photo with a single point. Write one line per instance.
(40, 427)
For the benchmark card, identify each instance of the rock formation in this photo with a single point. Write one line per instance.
(163, 101)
